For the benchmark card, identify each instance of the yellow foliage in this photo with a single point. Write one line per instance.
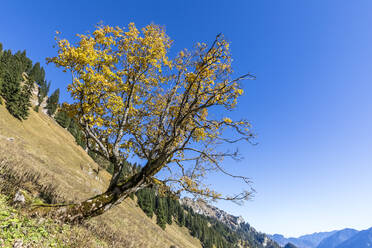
(131, 98)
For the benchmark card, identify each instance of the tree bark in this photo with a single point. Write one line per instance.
(97, 205)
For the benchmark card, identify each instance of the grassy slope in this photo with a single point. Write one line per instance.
(40, 145)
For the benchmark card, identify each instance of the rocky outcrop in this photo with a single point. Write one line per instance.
(19, 198)
(201, 207)
(43, 105)
(35, 99)
(34, 95)
(236, 223)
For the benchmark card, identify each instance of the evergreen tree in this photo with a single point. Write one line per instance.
(24, 62)
(52, 102)
(16, 95)
(161, 218)
(63, 119)
(37, 74)
(78, 134)
(146, 202)
(169, 207)
(181, 216)
(44, 87)
(24, 99)
(290, 245)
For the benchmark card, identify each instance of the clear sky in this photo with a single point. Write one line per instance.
(311, 104)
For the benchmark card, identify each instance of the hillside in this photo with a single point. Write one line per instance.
(241, 229)
(41, 148)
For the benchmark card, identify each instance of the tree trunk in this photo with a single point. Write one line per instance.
(76, 213)
(97, 205)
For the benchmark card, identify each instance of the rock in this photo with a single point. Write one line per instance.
(19, 198)
(173, 246)
(43, 105)
(34, 95)
(18, 243)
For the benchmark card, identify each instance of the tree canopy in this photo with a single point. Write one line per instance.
(15, 84)
(132, 100)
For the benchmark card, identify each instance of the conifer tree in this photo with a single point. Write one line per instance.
(146, 201)
(43, 90)
(37, 74)
(161, 218)
(62, 118)
(181, 217)
(76, 131)
(24, 62)
(16, 95)
(24, 99)
(168, 206)
(290, 245)
(52, 102)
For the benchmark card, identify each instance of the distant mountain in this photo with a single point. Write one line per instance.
(337, 238)
(280, 239)
(362, 239)
(201, 207)
(305, 241)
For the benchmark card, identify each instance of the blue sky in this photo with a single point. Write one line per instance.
(311, 104)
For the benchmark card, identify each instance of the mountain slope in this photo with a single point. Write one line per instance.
(337, 238)
(245, 232)
(362, 239)
(40, 147)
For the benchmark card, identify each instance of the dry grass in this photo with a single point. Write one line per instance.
(46, 160)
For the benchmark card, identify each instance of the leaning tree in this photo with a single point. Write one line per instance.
(130, 99)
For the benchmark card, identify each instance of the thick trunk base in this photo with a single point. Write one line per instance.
(77, 213)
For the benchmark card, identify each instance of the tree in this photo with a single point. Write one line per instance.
(161, 212)
(52, 102)
(76, 131)
(44, 87)
(146, 200)
(62, 118)
(290, 245)
(37, 73)
(181, 216)
(16, 86)
(131, 99)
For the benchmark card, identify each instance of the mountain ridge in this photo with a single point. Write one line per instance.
(236, 223)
